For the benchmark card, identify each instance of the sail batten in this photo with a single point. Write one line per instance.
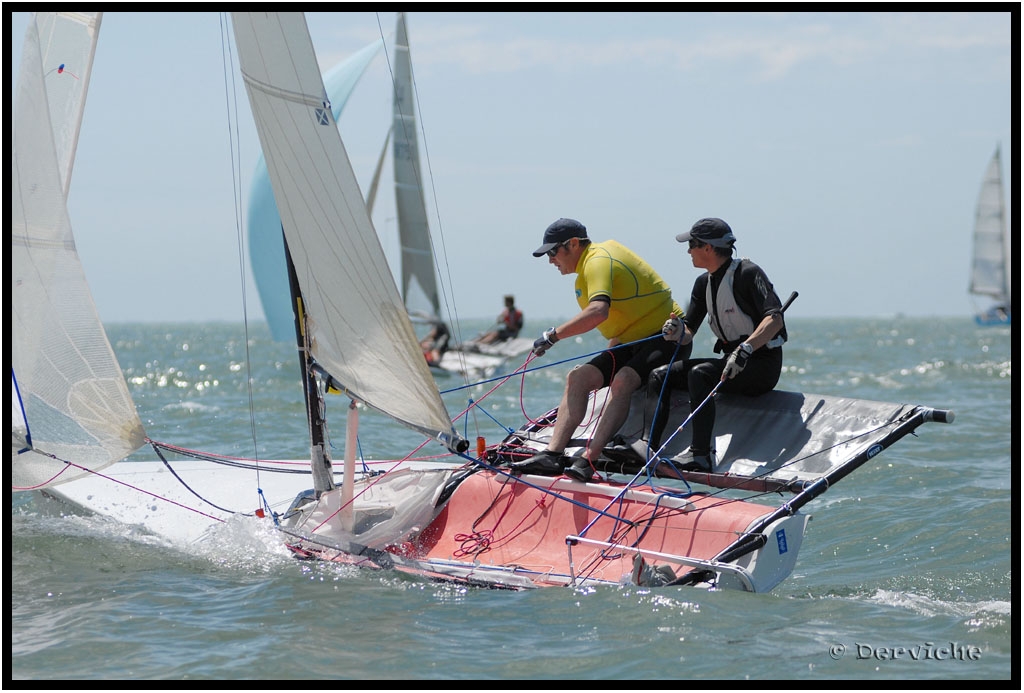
(358, 328)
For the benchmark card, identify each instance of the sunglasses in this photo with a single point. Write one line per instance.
(696, 244)
(554, 251)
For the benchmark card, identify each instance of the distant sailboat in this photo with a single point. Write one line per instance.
(990, 266)
(419, 284)
(418, 266)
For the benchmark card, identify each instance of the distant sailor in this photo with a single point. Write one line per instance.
(435, 344)
(508, 324)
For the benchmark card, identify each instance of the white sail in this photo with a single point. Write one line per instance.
(419, 285)
(74, 401)
(990, 269)
(266, 249)
(67, 44)
(19, 427)
(358, 328)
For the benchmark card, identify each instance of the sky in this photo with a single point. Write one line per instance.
(846, 151)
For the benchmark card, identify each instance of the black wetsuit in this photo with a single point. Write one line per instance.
(756, 297)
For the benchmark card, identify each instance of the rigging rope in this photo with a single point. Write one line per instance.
(231, 108)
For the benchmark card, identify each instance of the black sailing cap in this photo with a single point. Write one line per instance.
(559, 232)
(712, 231)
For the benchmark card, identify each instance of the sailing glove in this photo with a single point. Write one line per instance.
(545, 342)
(673, 330)
(737, 361)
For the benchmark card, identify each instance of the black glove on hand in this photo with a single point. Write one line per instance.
(545, 342)
(737, 361)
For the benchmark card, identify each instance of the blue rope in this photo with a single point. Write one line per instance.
(550, 365)
(505, 428)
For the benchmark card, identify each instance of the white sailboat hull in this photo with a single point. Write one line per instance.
(183, 505)
(484, 360)
(148, 495)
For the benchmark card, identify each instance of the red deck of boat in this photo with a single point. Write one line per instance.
(496, 521)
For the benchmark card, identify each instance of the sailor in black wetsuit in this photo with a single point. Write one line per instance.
(744, 313)
(435, 344)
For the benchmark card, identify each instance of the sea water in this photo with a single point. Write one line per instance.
(905, 571)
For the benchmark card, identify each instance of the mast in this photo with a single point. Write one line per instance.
(319, 455)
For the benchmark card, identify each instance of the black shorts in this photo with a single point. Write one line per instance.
(643, 356)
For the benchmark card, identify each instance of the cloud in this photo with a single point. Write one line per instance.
(768, 47)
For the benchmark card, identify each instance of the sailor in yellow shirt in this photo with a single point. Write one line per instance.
(625, 299)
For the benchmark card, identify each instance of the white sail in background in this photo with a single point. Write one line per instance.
(358, 328)
(419, 285)
(76, 404)
(990, 270)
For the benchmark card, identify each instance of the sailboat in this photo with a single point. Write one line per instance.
(417, 260)
(466, 518)
(419, 283)
(990, 266)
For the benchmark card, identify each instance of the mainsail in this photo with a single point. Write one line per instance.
(990, 269)
(419, 286)
(73, 400)
(358, 328)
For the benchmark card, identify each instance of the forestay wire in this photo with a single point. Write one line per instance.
(232, 119)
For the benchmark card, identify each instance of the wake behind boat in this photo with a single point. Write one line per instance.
(463, 516)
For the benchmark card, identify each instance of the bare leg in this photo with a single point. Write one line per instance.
(580, 382)
(616, 409)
